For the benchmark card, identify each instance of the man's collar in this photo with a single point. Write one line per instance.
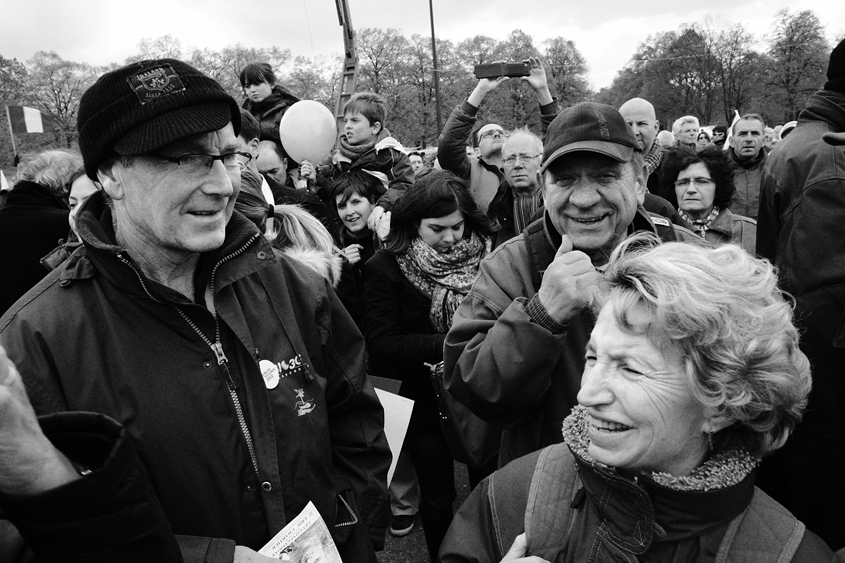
(758, 158)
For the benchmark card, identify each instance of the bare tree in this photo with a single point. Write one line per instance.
(477, 50)
(380, 54)
(738, 65)
(164, 47)
(799, 53)
(566, 71)
(56, 87)
(315, 79)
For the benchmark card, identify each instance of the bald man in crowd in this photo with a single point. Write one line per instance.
(640, 117)
(639, 114)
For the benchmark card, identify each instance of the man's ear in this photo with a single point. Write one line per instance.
(378, 125)
(110, 176)
(544, 182)
(252, 147)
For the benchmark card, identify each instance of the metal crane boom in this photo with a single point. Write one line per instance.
(349, 77)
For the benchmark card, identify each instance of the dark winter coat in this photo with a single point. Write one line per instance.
(269, 112)
(31, 224)
(97, 335)
(109, 515)
(400, 337)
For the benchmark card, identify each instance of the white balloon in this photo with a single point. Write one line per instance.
(308, 131)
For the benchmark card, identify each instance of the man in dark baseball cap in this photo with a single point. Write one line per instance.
(179, 320)
(515, 352)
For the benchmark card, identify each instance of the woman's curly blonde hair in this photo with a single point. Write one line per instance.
(721, 311)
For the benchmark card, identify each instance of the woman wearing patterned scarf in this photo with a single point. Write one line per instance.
(693, 373)
(437, 239)
(700, 186)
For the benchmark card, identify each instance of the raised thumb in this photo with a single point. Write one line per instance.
(565, 246)
(518, 548)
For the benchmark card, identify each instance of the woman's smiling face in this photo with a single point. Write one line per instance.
(642, 413)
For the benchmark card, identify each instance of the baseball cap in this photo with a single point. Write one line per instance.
(146, 105)
(590, 127)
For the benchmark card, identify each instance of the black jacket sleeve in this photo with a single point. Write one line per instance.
(110, 515)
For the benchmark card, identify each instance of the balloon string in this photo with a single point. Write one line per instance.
(308, 23)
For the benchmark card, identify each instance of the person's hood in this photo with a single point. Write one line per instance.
(825, 105)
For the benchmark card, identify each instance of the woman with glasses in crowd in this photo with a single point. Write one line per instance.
(700, 185)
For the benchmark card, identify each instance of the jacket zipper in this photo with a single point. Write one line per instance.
(216, 346)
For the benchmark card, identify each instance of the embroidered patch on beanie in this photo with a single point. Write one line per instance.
(155, 83)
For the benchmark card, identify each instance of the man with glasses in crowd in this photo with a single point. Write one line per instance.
(483, 170)
(237, 372)
(519, 197)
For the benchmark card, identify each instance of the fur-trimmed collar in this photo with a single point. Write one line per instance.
(725, 469)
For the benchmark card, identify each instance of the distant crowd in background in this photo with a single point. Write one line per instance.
(631, 334)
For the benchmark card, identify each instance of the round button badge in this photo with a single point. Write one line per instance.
(270, 373)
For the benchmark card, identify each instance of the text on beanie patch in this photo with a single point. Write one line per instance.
(155, 83)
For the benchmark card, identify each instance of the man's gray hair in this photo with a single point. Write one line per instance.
(54, 169)
(681, 121)
(524, 131)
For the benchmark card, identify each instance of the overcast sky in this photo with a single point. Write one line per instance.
(606, 32)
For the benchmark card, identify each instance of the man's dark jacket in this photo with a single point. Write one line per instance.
(801, 229)
(97, 335)
(31, 224)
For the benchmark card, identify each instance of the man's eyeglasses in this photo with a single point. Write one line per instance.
(196, 164)
(493, 133)
(684, 182)
(520, 157)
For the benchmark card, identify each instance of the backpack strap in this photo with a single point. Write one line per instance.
(663, 227)
(548, 515)
(538, 251)
(764, 532)
(548, 504)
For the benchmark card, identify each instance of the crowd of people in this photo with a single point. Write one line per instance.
(632, 337)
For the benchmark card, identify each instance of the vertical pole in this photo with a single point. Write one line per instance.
(436, 71)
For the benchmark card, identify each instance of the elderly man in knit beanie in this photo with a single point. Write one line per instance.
(236, 372)
(801, 229)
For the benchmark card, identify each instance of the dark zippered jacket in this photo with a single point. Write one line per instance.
(97, 335)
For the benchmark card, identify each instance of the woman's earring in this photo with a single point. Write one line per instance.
(710, 439)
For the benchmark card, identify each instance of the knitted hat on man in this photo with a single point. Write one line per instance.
(589, 127)
(836, 69)
(146, 105)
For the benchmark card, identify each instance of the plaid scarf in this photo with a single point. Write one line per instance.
(653, 158)
(444, 278)
(700, 226)
(353, 152)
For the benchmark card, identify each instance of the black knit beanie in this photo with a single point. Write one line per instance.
(146, 105)
(836, 69)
